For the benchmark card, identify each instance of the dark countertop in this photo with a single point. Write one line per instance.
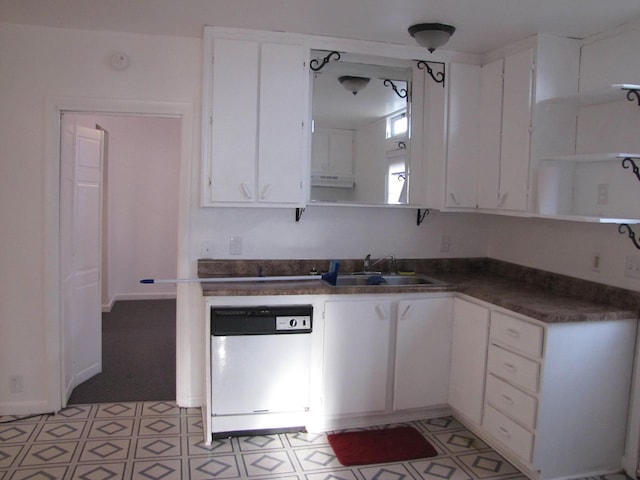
(539, 302)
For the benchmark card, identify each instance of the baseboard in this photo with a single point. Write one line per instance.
(106, 308)
(19, 409)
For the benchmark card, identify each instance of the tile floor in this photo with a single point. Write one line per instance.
(157, 440)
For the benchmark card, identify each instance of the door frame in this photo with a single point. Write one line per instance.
(55, 106)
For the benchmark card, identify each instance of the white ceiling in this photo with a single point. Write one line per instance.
(482, 25)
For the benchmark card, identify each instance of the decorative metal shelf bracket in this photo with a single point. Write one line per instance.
(628, 162)
(299, 213)
(630, 233)
(633, 95)
(421, 215)
(402, 92)
(438, 77)
(313, 64)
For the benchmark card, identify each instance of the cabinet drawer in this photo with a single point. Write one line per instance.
(513, 368)
(523, 336)
(511, 401)
(508, 432)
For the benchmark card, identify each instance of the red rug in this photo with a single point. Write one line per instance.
(380, 446)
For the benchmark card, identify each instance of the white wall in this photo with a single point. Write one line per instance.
(568, 247)
(37, 63)
(562, 247)
(142, 179)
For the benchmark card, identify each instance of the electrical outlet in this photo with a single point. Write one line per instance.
(235, 245)
(632, 267)
(445, 243)
(16, 383)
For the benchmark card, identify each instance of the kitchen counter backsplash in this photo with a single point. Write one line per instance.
(457, 271)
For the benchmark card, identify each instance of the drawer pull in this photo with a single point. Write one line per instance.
(507, 400)
(509, 367)
(512, 332)
(504, 432)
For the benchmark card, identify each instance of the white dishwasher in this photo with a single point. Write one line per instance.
(260, 366)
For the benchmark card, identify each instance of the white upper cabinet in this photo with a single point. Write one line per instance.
(491, 79)
(516, 131)
(505, 108)
(255, 106)
(463, 136)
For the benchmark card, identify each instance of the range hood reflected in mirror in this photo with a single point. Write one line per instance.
(361, 121)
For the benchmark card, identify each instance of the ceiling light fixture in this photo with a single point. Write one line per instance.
(431, 35)
(353, 84)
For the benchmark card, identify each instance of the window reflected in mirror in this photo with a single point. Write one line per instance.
(361, 123)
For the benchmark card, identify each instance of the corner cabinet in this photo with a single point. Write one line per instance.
(554, 392)
(255, 103)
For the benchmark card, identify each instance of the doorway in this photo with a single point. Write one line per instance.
(139, 231)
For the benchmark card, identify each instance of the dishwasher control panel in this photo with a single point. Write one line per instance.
(293, 322)
(261, 320)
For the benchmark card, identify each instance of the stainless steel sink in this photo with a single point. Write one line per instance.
(384, 280)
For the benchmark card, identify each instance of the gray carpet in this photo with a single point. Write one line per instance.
(138, 355)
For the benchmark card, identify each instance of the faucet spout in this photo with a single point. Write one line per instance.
(367, 261)
(368, 266)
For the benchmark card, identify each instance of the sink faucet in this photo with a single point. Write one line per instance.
(368, 265)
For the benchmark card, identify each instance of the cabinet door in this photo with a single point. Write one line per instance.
(423, 349)
(490, 133)
(463, 135)
(283, 80)
(468, 358)
(356, 356)
(516, 131)
(234, 125)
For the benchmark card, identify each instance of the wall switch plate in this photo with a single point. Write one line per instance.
(235, 245)
(632, 267)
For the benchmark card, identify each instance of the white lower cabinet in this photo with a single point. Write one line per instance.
(468, 359)
(423, 346)
(381, 344)
(356, 356)
(557, 394)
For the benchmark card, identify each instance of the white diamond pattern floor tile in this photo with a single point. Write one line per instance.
(157, 440)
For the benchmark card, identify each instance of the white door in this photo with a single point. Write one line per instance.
(80, 253)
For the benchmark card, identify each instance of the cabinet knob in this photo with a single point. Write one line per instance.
(265, 191)
(512, 332)
(508, 400)
(509, 367)
(246, 190)
(380, 312)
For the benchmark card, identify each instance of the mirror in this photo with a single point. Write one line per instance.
(360, 130)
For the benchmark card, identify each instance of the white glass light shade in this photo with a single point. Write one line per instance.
(353, 84)
(431, 35)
